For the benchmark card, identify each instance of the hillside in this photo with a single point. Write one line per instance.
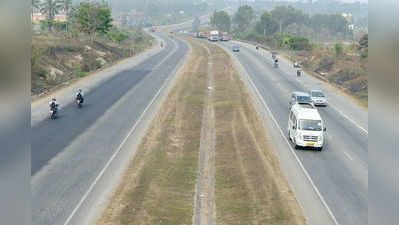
(56, 60)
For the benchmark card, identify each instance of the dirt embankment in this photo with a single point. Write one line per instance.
(57, 60)
(159, 186)
(348, 71)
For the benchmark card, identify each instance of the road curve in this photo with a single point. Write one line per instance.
(68, 154)
(340, 171)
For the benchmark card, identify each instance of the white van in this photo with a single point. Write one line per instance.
(306, 127)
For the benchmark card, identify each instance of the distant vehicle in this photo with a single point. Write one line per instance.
(152, 29)
(301, 98)
(318, 98)
(236, 48)
(296, 65)
(298, 73)
(306, 127)
(214, 35)
(274, 55)
(54, 112)
(225, 37)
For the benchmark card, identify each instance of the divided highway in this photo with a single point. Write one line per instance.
(69, 153)
(340, 171)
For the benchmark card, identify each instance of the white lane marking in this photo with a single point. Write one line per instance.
(339, 111)
(294, 153)
(347, 155)
(84, 197)
(348, 118)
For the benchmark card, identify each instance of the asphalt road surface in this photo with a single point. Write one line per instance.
(340, 171)
(68, 153)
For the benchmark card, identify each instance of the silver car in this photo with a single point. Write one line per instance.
(318, 97)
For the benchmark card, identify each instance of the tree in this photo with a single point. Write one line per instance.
(51, 8)
(67, 7)
(221, 20)
(286, 15)
(243, 18)
(267, 25)
(196, 24)
(93, 18)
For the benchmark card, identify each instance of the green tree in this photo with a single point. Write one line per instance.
(286, 15)
(67, 7)
(221, 20)
(243, 18)
(93, 18)
(51, 8)
(118, 35)
(267, 25)
(196, 24)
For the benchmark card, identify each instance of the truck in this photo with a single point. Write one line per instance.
(214, 35)
(225, 37)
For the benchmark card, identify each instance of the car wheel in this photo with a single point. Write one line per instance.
(320, 149)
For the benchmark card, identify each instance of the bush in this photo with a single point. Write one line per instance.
(299, 43)
(339, 49)
(78, 72)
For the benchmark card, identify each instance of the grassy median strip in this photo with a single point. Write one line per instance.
(159, 185)
(250, 188)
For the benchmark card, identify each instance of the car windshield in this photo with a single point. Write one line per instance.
(303, 99)
(314, 125)
(317, 94)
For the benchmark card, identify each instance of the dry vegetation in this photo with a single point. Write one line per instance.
(159, 185)
(57, 59)
(347, 71)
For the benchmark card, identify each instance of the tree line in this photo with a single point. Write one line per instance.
(91, 18)
(246, 23)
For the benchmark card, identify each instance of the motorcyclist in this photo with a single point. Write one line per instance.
(298, 73)
(161, 44)
(276, 62)
(257, 47)
(79, 95)
(53, 105)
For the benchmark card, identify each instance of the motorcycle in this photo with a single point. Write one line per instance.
(79, 102)
(275, 64)
(298, 73)
(53, 112)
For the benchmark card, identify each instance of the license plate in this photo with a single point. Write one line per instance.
(310, 144)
